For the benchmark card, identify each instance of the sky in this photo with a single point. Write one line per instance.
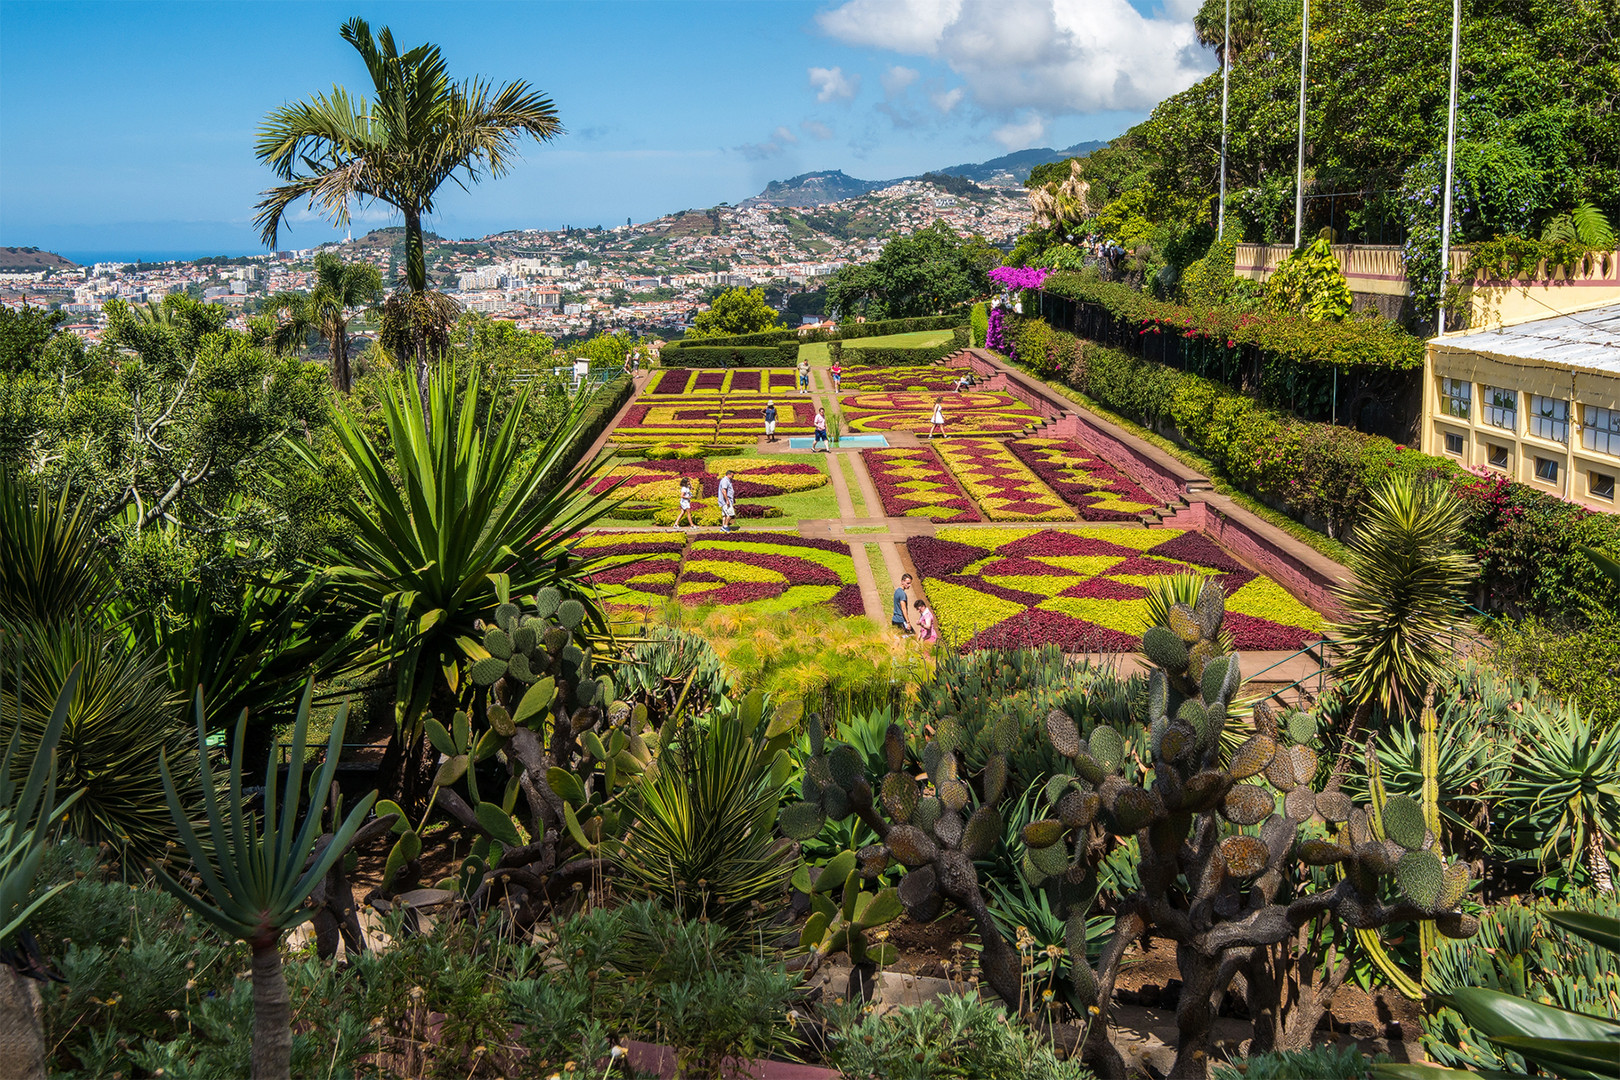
(127, 128)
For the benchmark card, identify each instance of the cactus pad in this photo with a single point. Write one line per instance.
(995, 778)
(1163, 648)
(1265, 721)
(1301, 727)
(1300, 803)
(911, 845)
(899, 796)
(1062, 733)
(802, 820)
(497, 642)
(873, 859)
(1077, 809)
(894, 748)
(954, 794)
(525, 638)
(1178, 739)
(546, 602)
(1455, 924)
(1044, 833)
(957, 877)
(1333, 805)
(928, 810)
(1184, 624)
(1252, 757)
(556, 640)
(948, 829)
(1133, 810)
(488, 671)
(1107, 747)
(1203, 789)
(1248, 804)
(1198, 658)
(846, 765)
(1088, 768)
(1158, 695)
(1213, 682)
(570, 613)
(1006, 734)
(1047, 862)
(1403, 822)
(1245, 856)
(1280, 773)
(1421, 877)
(1302, 761)
(1360, 828)
(919, 894)
(506, 615)
(500, 722)
(1453, 884)
(982, 832)
(1211, 608)
(1321, 852)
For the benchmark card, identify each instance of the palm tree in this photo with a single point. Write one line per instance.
(340, 287)
(420, 130)
(1404, 602)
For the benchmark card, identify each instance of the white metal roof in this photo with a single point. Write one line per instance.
(1588, 340)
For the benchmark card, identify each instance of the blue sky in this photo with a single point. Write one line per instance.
(128, 127)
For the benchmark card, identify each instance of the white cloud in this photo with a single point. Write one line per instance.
(1054, 56)
(832, 84)
(897, 78)
(946, 100)
(1021, 134)
(783, 135)
(817, 130)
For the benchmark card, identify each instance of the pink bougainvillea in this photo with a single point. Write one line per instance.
(1019, 277)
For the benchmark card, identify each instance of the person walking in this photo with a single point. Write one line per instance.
(837, 372)
(728, 501)
(804, 376)
(937, 422)
(770, 421)
(902, 602)
(927, 627)
(821, 432)
(686, 504)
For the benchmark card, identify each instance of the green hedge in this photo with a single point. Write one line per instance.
(949, 321)
(1354, 343)
(764, 337)
(846, 331)
(1524, 540)
(594, 419)
(980, 325)
(723, 356)
(895, 355)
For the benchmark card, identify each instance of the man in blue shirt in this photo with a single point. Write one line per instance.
(902, 603)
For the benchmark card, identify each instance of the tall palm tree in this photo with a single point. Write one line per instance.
(339, 288)
(420, 130)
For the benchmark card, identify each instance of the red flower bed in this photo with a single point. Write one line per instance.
(1037, 627)
(914, 483)
(934, 557)
(1092, 486)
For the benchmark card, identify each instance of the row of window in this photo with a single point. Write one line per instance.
(1548, 416)
(1598, 484)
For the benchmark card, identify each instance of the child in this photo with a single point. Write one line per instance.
(927, 628)
(821, 432)
(938, 421)
(686, 504)
(770, 421)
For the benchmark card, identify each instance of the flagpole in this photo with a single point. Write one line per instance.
(1451, 149)
(1299, 177)
(1226, 78)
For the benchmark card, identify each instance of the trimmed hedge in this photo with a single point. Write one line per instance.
(764, 337)
(1525, 541)
(1354, 343)
(893, 355)
(979, 325)
(724, 356)
(949, 321)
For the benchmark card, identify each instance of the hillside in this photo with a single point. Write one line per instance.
(19, 260)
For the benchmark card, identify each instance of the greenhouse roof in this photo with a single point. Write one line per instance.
(1589, 340)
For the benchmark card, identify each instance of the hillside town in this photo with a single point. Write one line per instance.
(651, 278)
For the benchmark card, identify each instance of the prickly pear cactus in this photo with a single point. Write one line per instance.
(848, 926)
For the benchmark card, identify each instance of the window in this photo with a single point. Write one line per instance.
(1600, 429)
(1457, 397)
(1501, 407)
(1549, 418)
(1600, 485)
(1454, 444)
(1547, 469)
(1497, 456)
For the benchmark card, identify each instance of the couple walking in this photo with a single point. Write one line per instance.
(913, 617)
(727, 501)
(821, 442)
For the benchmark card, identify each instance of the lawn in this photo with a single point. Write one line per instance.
(917, 339)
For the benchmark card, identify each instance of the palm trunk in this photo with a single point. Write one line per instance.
(22, 1030)
(272, 1015)
(341, 377)
(416, 280)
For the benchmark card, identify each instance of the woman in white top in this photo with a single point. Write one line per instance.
(938, 421)
(686, 504)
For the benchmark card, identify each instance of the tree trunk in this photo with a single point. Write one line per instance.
(272, 1015)
(22, 1029)
(1195, 1014)
(1597, 859)
(416, 279)
(341, 378)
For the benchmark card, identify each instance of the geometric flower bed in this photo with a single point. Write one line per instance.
(1083, 589)
(1003, 486)
(1095, 488)
(917, 378)
(912, 483)
(640, 569)
(728, 419)
(769, 573)
(976, 412)
(751, 382)
(653, 488)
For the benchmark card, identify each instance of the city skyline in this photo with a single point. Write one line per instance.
(130, 127)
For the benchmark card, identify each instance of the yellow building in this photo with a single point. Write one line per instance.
(1536, 400)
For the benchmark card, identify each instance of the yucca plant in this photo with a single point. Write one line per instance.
(1564, 791)
(704, 838)
(27, 814)
(1406, 597)
(49, 563)
(258, 871)
(438, 526)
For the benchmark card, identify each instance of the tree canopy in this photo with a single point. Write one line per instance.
(735, 311)
(922, 274)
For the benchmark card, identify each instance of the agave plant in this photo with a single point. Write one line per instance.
(1410, 576)
(1565, 790)
(27, 815)
(49, 563)
(258, 871)
(451, 515)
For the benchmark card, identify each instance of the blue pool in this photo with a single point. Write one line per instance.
(804, 442)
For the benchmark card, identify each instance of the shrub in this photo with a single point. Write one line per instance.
(1316, 1063)
(979, 323)
(954, 1035)
(895, 355)
(1582, 666)
(724, 356)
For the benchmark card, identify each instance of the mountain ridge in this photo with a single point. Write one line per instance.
(834, 185)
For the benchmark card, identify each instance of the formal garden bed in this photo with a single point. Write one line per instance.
(912, 378)
(1086, 589)
(1003, 486)
(743, 382)
(786, 486)
(975, 412)
(1093, 487)
(912, 482)
(727, 418)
